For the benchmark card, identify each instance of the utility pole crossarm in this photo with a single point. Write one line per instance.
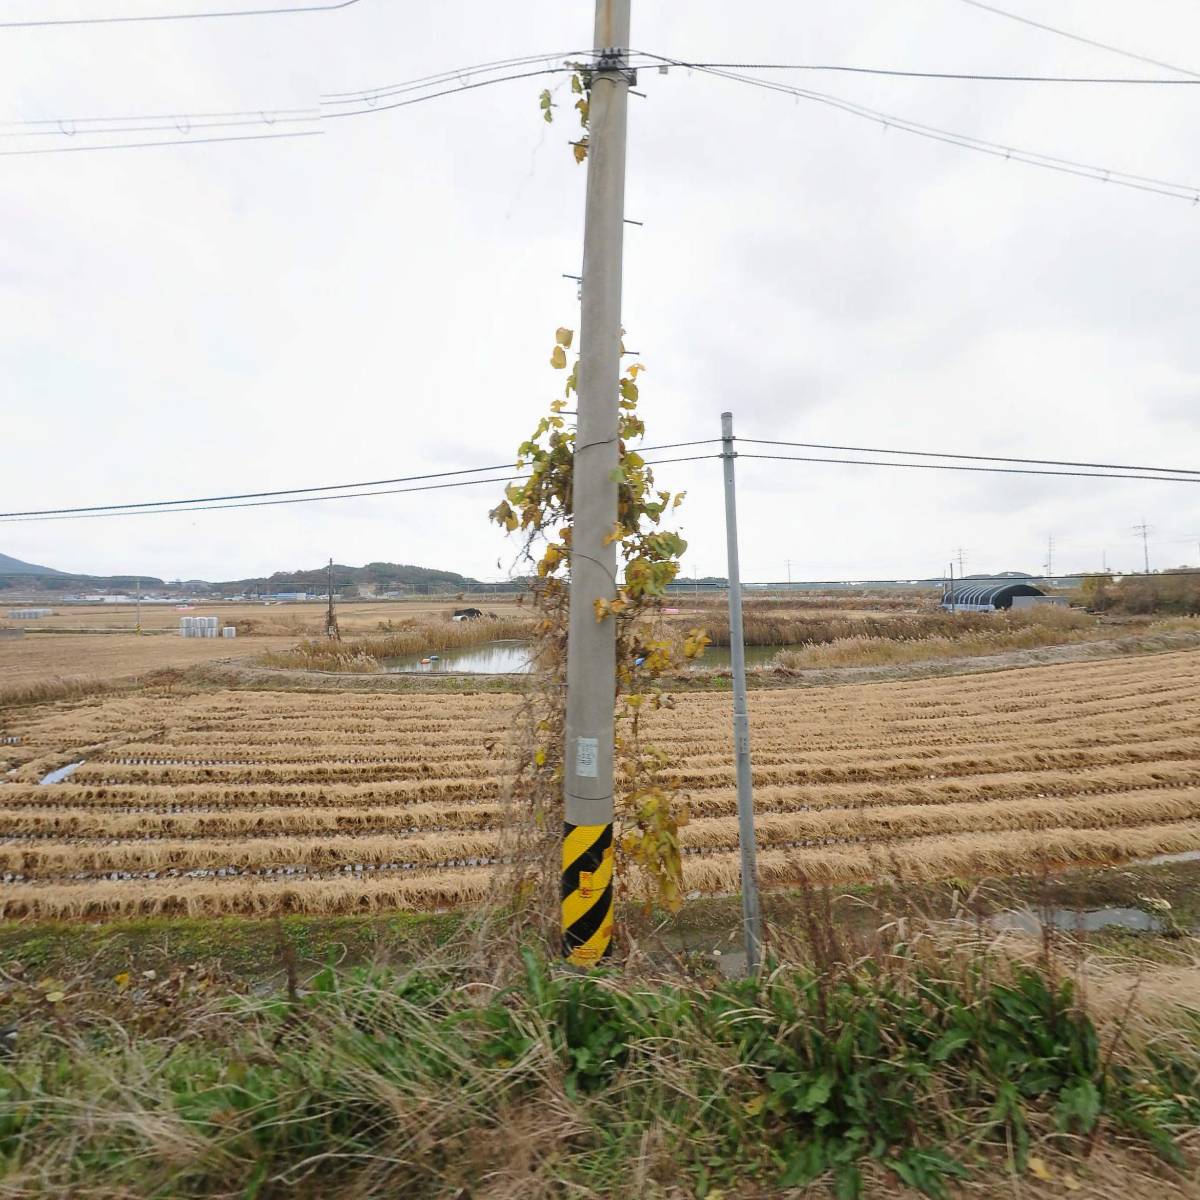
(587, 888)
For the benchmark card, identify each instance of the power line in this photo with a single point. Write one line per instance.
(1039, 462)
(499, 64)
(465, 87)
(965, 75)
(148, 512)
(330, 487)
(183, 123)
(304, 495)
(179, 125)
(857, 462)
(1075, 37)
(1178, 191)
(938, 581)
(248, 137)
(193, 16)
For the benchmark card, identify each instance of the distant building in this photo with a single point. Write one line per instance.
(973, 595)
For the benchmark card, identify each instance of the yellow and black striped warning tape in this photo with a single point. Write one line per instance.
(587, 893)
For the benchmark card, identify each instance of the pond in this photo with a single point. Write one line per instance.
(508, 657)
(513, 657)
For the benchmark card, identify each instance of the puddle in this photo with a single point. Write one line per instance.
(1076, 920)
(62, 773)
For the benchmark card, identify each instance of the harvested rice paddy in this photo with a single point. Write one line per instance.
(259, 802)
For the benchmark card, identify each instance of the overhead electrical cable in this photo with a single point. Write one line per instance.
(974, 76)
(169, 505)
(428, 487)
(179, 122)
(177, 125)
(1144, 183)
(187, 16)
(463, 87)
(1076, 37)
(912, 466)
(1038, 462)
(148, 512)
(205, 141)
(499, 64)
(681, 584)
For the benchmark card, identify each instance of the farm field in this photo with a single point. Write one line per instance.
(276, 620)
(69, 656)
(256, 802)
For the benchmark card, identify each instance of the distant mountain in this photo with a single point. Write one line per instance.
(376, 576)
(14, 566)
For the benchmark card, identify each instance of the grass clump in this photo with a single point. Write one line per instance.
(918, 1069)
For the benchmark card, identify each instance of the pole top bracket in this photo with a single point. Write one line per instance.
(613, 60)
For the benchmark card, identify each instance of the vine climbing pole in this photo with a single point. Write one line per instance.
(587, 859)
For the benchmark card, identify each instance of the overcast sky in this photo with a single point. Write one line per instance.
(380, 300)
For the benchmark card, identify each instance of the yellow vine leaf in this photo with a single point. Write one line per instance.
(564, 336)
(558, 358)
(580, 149)
(1039, 1170)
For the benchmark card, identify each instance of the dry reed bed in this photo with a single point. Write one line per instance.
(1079, 763)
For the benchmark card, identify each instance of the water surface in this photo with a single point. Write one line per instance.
(514, 657)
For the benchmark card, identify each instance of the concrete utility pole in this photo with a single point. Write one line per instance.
(331, 625)
(587, 889)
(747, 843)
(137, 626)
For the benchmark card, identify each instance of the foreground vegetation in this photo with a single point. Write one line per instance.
(926, 1063)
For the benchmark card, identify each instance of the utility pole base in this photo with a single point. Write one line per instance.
(587, 893)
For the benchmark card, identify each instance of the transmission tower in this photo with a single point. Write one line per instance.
(331, 626)
(1144, 530)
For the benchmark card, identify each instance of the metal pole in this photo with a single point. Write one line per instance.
(587, 858)
(138, 602)
(751, 918)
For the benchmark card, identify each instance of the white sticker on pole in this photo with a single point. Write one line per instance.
(587, 757)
